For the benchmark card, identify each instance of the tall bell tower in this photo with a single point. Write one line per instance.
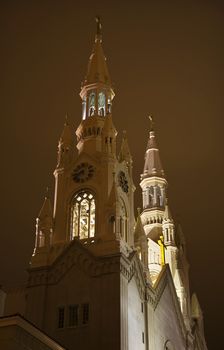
(93, 200)
(165, 240)
(96, 275)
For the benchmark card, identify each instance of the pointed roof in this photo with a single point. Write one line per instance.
(153, 165)
(195, 307)
(139, 232)
(180, 235)
(97, 70)
(125, 153)
(113, 197)
(46, 209)
(66, 135)
(167, 213)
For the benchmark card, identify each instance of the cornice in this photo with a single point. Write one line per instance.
(32, 332)
(73, 255)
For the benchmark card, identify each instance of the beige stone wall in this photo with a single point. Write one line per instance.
(102, 294)
(136, 319)
(165, 325)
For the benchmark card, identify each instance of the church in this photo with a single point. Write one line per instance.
(101, 277)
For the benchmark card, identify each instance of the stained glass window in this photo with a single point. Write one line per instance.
(83, 215)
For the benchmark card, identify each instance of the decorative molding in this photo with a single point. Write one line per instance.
(165, 279)
(74, 255)
(29, 335)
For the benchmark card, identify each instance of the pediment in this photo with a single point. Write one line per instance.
(76, 254)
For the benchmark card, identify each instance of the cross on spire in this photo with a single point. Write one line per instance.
(151, 122)
(98, 27)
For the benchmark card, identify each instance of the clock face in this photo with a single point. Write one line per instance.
(123, 182)
(83, 172)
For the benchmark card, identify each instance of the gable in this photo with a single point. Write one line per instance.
(168, 320)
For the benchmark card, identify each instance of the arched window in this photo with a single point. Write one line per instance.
(84, 109)
(83, 215)
(92, 98)
(101, 104)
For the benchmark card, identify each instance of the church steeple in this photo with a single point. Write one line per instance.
(125, 154)
(44, 230)
(97, 93)
(65, 145)
(153, 165)
(153, 180)
(97, 70)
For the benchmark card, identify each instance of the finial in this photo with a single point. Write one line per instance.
(151, 122)
(47, 192)
(99, 27)
(124, 134)
(66, 118)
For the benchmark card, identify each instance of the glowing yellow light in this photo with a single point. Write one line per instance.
(162, 250)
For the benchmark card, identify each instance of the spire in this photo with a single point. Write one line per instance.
(46, 209)
(139, 233)
(44, 229)
(66, 135)
(113, 197)
(140, 241)
(96, 91)
(167, 213)
(153, 165)
(125, 154)
(180, 236)
(97, 70)
(65, 145)
(196, 312)
(98, 28)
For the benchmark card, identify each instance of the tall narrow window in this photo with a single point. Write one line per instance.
(101, 104)
(85, 313)
(83, 215)
(92, 98)
(73, 315)
(123, 221)
(84, 109)
(61, 317)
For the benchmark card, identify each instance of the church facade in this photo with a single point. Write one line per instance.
(100, 278)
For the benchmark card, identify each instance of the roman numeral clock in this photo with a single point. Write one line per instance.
(83, 172)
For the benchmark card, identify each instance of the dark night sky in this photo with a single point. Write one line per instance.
(165, 59)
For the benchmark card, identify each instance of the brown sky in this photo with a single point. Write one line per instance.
(165, 59)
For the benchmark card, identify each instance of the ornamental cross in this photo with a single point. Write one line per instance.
(99, 26)
(151, 122)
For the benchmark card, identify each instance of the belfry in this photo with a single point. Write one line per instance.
(99, 277)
